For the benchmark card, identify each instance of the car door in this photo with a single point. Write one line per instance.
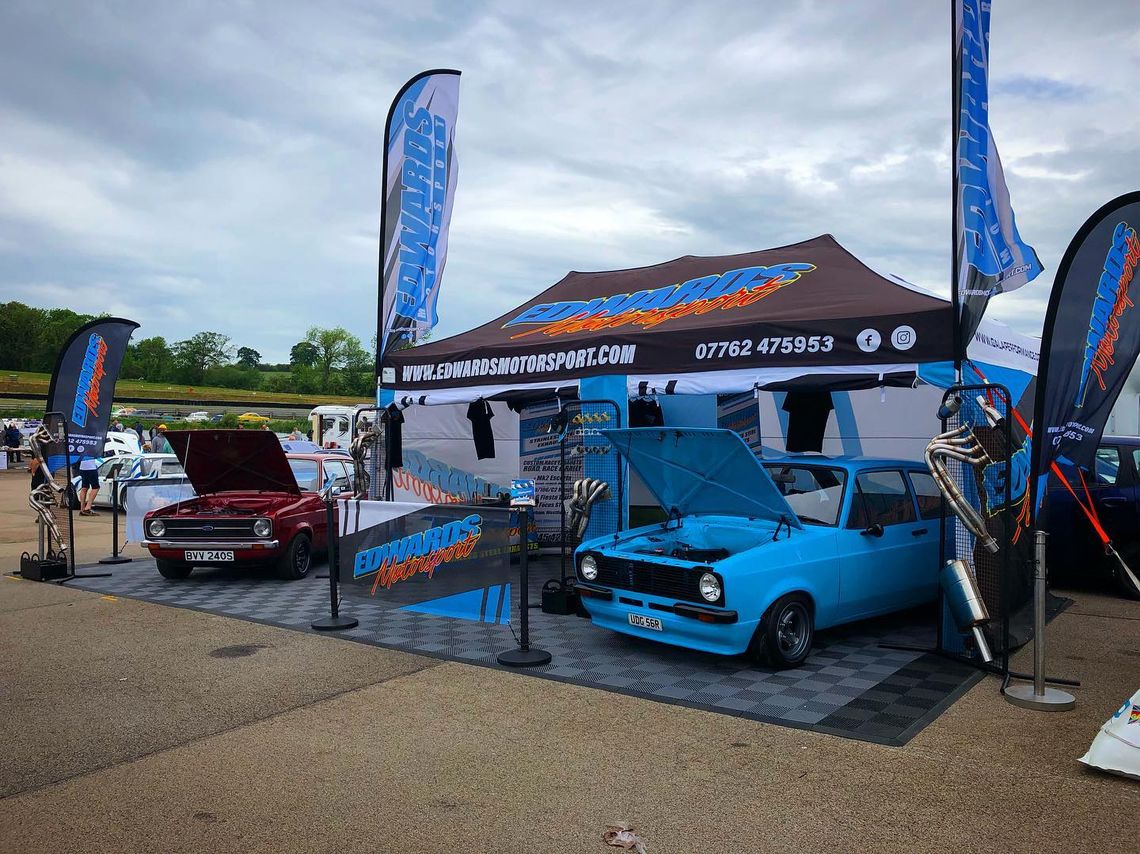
(336, 474)
(1112, 492)
(877, 545)
(924, 566)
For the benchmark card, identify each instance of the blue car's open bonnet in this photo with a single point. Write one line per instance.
(694, 470)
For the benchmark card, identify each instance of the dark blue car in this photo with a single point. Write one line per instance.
(1075, 551)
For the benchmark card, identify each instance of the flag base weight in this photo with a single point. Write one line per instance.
(334, 624)
(1052, 700)
(114, 559)
(524, 657)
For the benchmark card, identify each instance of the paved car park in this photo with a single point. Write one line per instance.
(130, 725)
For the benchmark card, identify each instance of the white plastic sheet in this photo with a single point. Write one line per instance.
(1116, 748)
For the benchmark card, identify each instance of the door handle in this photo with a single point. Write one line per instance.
(918, 532)
(1115, 501)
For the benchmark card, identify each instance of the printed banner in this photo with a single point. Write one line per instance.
(992, 257)
(1090, 339)
(449, 560)
(140, 496)
(812, 304)
(83, 387)
(419, 190)
(539, 461)
(740, 413)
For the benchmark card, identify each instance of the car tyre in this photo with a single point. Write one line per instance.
(297, 560)
(785, 634)
(173, 570)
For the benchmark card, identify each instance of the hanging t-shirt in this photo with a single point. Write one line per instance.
(645, 412)
(480, 414)
(808, 412)
(395, 434)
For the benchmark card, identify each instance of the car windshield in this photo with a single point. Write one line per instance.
(306, 473)
(814, 493)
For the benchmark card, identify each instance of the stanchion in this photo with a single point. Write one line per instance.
(335, 621)
(524, 656)
(115, 557)
(1037, 695)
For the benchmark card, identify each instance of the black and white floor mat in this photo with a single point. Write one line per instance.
(853, 684)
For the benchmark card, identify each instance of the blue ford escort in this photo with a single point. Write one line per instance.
(755, 555)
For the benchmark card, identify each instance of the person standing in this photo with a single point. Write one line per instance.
(158, 442)
(13, 438)
(88, 485)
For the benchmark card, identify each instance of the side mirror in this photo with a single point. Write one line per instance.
(875, 530)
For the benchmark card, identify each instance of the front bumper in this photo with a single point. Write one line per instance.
(716, 630)
(247, 551)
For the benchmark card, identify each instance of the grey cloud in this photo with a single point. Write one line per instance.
(217, 166)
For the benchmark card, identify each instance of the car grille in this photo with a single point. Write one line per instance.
(656, 579)
(225, 528)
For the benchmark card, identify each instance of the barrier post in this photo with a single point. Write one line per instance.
(115, 557)
(1037, 695)
(524, 656)
(335, 621)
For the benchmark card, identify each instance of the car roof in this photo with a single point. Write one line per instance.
(851, 463)
(1120, 440)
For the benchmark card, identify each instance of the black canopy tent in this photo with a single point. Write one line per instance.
(695, 324)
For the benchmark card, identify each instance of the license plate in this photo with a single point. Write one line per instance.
(645, 622)
(208, 556)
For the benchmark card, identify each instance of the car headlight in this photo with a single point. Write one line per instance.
(589, 568)
(156, 527)
(262, 528)
(710, 587)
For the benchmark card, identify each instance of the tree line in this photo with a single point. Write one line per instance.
(325, 361)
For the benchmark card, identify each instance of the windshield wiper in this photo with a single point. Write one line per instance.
(804, 518)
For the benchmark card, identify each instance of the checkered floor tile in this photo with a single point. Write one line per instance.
(853, 684)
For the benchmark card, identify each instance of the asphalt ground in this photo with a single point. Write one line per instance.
(129, 726)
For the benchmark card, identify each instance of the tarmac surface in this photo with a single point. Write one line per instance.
(130, 726)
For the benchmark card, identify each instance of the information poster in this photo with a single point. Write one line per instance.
(740, 413)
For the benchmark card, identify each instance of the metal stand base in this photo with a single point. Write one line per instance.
(1052, 700)
(524, 657)
(334, 624)
(114, 559)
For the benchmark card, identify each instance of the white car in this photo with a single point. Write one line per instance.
(197, 417)
(162, 467)
(121, 444)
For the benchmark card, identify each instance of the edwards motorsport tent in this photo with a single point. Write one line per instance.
(810, 311)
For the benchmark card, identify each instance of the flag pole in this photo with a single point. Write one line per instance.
(955, 107)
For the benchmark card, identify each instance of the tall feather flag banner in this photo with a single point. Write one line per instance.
(83, 386)
(1091, 338)
(990, 256)
(420, 174)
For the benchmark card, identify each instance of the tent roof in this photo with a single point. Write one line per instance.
(804, 307)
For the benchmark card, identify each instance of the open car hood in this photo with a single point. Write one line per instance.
(694, 470)
(233, 461)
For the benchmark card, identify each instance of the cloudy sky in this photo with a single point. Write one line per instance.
(198, 165)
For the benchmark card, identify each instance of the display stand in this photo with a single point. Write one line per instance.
(115, 557)
(524, 655)
(335, 622)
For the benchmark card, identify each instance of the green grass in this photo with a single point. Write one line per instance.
(36, 385)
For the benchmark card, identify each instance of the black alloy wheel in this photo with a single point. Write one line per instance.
(172, 569)
(785, 635)
(297, 560)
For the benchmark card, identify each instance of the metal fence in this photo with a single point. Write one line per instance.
(585, 453)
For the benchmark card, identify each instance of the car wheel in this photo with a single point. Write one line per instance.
(297, 560)
(172, 569)
(785, 635)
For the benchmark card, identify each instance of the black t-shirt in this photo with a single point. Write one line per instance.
(808, 412)
(395, 433)
(480, 414)
(645, 412)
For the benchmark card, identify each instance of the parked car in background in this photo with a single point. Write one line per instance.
(197, 417)
(129, 467)
(254, 506)
(252, 418)
(1074, 551)
(754, 556)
